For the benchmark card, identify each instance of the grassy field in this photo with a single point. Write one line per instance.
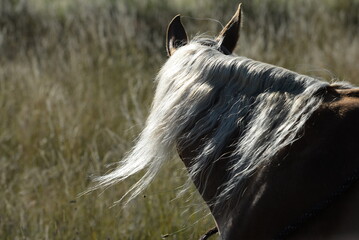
(76, 82)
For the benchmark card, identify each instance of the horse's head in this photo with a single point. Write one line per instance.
(225, 42)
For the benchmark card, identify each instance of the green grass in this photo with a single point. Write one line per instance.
(76, 83)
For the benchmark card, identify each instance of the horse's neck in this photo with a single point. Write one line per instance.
(313, 177)
(300, 178)
(339, 221)
(210, 179)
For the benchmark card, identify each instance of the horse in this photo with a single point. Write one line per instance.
(272, 152)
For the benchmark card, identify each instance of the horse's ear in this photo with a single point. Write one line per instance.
(176, 35)
(230, 33)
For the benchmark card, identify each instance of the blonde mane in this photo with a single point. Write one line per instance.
(200, 91)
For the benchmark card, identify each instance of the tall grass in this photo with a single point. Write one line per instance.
(76, 85)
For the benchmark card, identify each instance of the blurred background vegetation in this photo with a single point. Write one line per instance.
(76, 83)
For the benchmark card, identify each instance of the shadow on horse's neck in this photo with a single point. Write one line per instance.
(210, 180)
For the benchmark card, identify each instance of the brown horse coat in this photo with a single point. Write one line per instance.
(302, 176)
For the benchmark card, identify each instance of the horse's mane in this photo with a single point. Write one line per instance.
(200, 91)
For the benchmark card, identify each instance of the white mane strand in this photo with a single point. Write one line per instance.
(201, 92)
